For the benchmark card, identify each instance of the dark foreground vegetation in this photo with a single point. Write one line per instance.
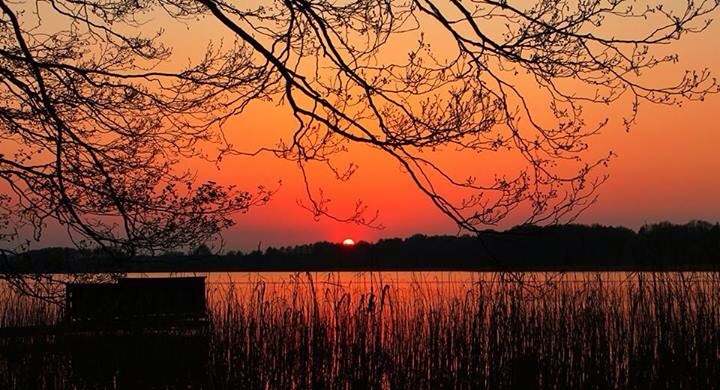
(663, 246)
(646, 330)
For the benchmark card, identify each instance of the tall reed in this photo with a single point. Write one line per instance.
(648, 330)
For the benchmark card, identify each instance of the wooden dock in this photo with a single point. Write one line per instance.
(137, 332)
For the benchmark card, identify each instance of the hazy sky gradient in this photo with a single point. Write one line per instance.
(668, 167)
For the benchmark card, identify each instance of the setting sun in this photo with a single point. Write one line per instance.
(348, 242)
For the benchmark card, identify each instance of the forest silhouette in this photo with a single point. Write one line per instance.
(661, 246)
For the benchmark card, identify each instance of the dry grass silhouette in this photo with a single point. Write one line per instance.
(655, 330)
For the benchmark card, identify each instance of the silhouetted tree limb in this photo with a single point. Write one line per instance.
(95, 117)
(91, 134)
(336, 67)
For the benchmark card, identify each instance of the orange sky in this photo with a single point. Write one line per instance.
(668, 168)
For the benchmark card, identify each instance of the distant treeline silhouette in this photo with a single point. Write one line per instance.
(695, 245)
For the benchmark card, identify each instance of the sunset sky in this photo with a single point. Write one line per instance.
(668, 166)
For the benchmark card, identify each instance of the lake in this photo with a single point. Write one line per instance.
(410, 329)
